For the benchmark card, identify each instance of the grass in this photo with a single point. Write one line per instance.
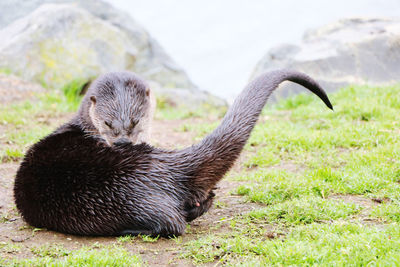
(353, 150)
(9, 248)
(299, 158)
(74, 92)
(304, 211)
(387, 212)
(300, 155)
(336, 244)
(126, 238)
(85, 256)
(24, 123)
(53, 251)
(275, 187)
(149, 239)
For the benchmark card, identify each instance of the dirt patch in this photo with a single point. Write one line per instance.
(21, 90)
(362, 201)
(166, 133)
(7, 172)
(367, 204)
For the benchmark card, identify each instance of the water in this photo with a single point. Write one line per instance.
(219, 42)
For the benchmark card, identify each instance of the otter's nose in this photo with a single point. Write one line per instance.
(122, 141)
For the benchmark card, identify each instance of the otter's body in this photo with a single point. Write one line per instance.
(72, 183)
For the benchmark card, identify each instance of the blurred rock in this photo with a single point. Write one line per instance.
(350, 51)
(56, 43)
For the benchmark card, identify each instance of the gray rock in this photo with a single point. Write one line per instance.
(66, 40)
(350, 51)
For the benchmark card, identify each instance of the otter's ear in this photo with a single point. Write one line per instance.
(147, 91)
(93, 99)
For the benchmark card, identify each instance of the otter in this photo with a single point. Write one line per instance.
(72, 183)
(118, 107)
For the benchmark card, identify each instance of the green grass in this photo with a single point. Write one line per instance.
(24, 123)
(126, 238)
(353, 150)
(86, 256)
(6, 71)
(149, 239)
(53, 251)
(304, 211)
(337, 244)
(13, 154)
(273, 187)
(387, 212)
(9, 248)
(73, 92)
(300, 155)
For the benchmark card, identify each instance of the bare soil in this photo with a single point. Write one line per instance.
(13, 89)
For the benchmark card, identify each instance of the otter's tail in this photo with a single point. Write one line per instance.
(216, 153)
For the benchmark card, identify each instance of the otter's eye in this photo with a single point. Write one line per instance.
(115, 132)
(133, 124)
(108, 124)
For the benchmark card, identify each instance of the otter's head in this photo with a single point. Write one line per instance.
(121, 108)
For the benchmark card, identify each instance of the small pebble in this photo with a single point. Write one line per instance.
(19, 239)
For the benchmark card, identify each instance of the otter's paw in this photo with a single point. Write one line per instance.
(199, 208)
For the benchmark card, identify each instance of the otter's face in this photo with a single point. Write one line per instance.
(121, 112)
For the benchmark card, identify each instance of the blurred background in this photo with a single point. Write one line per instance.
(201, 52)
(218, 43)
